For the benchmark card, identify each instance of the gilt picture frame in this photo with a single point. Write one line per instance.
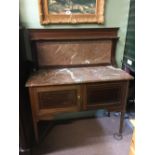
(71, 11)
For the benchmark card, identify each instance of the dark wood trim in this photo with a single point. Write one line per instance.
(82, 84)
(34, 55)
(113, 61)
(78, 34)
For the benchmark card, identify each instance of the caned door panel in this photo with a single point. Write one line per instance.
(103, 95)
(56, 99)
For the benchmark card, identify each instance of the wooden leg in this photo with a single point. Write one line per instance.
(35, 126)
(108, 114)
(119, 136)
(121, 123)
(32, 93)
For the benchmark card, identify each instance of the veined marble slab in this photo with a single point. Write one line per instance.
(76, 76)
(74, 53)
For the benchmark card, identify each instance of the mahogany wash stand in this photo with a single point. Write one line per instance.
(75, 71)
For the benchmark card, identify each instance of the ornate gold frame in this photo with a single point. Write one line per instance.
(46, 18)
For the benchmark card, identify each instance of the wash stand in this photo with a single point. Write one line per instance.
(75, 71)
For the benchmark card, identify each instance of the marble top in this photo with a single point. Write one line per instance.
(46, 77)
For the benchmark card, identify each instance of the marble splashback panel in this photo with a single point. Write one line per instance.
(73, 53)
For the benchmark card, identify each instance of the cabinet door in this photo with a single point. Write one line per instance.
(104, 95)
(56, 99)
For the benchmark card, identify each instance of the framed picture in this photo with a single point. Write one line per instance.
(71, 11)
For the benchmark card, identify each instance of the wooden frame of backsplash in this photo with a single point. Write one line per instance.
(55, 35)
(47, 18)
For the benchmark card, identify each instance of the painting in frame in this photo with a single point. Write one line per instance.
(71, 11)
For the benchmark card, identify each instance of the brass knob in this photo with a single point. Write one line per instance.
(78, 97)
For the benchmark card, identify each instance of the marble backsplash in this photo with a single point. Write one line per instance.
(74, 53)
